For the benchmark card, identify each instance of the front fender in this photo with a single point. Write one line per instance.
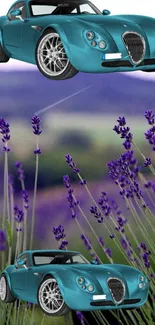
(76, 47)
(72, 294)
(56, 276)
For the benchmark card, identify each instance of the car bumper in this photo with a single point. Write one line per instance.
(126, 64)
(98, 61)
(101, 65)
(85, 301)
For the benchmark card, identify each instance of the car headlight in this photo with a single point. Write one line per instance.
(102, 44)
(142, 282)
(93, 43)
(90, 288)
(81, 280)
(90, 35)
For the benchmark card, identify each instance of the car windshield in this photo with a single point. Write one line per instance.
(61, 7)
(58, 258)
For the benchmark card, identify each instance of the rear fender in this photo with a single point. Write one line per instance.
(8, 279)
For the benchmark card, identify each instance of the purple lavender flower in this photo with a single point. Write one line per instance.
(3, 241)
(124, 172)
(63, 245)
(86, 241)
(72, 164)
(108, 252)
(67, 181)
(124, 132)
(100, 239)
(59, 232)
(83, 182)
(144, 253)
(150, 134)
(37, 151)
(71, 199)
(19, 217)
(25, 199)
(143, 246)
(147, 162)
(36, 125)
(103, 202)
(96, 214)
(73, 203)
(20, 171)
(150, 117)
(5, 131)
(124, 243)
(80, 317)
(148, 184)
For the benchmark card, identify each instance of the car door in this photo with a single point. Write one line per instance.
(19, 278)
(12, 30)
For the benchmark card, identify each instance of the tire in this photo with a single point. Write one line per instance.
(60, 308)
(5, 292)
(148, 70)
(59, 67)
(3, 57)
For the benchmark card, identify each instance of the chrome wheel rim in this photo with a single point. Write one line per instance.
(2, 288)
(50, 297)
(51, 55)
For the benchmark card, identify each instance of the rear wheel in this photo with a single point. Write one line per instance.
(3, 57)
(51, 58)
(5, 292)
(50, 299)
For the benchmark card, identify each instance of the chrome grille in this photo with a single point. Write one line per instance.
(135, 45)
(117, 289)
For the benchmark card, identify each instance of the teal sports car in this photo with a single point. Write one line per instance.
(59, 281)
(63, 37)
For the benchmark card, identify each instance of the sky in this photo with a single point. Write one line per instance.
(115, 7)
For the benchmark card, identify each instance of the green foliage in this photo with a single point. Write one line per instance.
(9, 232)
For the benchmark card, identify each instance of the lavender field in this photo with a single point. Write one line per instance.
(113, 218)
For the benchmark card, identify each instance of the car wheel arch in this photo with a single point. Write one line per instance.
(57, 29)
(57, 278)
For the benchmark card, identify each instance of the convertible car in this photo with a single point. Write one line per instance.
(62, 280)
(63, 37)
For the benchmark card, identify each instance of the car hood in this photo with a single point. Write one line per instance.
(96, 269)
(117, 23)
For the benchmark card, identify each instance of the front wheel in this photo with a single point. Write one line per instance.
(50, 299)
(51, 58)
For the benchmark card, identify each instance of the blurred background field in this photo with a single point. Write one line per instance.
(81, 125)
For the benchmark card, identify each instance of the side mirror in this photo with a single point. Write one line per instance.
(21, 263)
(106, 12)
(15, 12)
